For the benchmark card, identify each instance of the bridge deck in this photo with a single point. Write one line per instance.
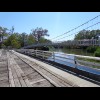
(18, 70)
(67, 77)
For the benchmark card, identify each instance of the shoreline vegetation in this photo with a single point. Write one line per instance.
(89, 51)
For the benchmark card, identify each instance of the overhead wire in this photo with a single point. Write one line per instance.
(76, 27)
(79, 31)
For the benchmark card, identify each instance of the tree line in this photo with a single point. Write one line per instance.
(87, 34)
(9, 38)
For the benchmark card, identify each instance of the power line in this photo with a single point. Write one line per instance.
(79, 31)
(76, 27)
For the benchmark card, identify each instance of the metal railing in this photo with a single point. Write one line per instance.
(66, 59)
(61, 56)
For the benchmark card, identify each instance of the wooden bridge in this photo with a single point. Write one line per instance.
(18, 70)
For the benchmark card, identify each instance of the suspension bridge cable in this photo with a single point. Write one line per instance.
(79, 31)
(76, 27)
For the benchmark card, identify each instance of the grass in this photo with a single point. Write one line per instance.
(90, 60)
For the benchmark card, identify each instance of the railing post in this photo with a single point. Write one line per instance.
(75, 62)
(36, 53)
(54, 56)
(43, 54)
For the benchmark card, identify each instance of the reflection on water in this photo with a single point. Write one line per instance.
(74, 51)
(68, 60)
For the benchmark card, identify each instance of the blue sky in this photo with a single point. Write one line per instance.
(56, 23)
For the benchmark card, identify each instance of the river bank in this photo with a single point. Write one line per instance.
(73, 51)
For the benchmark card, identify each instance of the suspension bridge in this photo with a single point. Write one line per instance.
(87, 42)
(90, 25)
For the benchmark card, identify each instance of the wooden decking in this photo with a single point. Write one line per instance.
(18, 70)
(14, 72)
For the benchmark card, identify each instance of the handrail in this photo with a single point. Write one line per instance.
(74, 64)
(61, 57)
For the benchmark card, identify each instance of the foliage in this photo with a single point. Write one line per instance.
(31, 39)
(38, 33)
(15, 44)
(13, 41)
(43, 40)
(91, 49)
(87, 34)
(23, 39)
(3, 33)
(18, 40)
(3, 46)
(97, 52)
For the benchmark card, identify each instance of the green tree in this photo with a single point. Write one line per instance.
(12, 30)
(3, 33)
(23, 37)
(38, 33)
(43, 40)
(13, 41)
(97, 52)
(87, 34)
(15, 44)
(31, 39)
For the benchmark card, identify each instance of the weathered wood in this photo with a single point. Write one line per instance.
(15, 78)
(0, 52)
(3, 74)
(4, 84)
(49, 79)
(38, 81)
(24, 82)
(64, 76)
(11, 79)
(34, 76)
(4, 79)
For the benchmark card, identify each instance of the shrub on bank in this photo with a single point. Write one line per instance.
(91, 49)
(97, 52)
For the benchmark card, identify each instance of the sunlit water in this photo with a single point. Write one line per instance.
(69, 60)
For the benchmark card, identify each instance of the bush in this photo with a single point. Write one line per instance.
(3, 46)
(97, 52)
(91, 49)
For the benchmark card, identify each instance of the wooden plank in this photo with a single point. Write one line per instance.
(11, 78)
(38, 81)
(19, 73)
(44, 83)
(14, 80)
(34, 77)
(24, 82)
(49, 79)
(3, 74)
(0, 52)
(4, 84)
(28, 83)
(4, 78)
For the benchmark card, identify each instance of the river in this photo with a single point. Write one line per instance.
(73, 51)
(69, 62)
